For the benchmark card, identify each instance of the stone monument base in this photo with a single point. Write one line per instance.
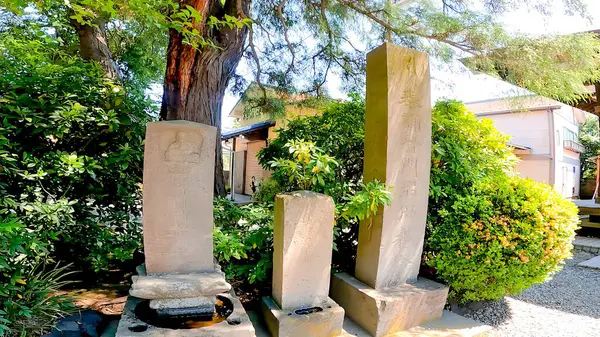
(389, 310)
(236, 325)
(326, 320)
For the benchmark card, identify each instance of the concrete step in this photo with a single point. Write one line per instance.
(593, 263)
(450, 325)
(585, 244)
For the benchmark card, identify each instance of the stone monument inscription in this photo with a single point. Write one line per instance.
(178, 192)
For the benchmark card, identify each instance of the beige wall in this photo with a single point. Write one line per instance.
(253, 168)
(517, 103)
(529, 129)
(291, 111)
(240, 164)
(535, 168)
(539, 123)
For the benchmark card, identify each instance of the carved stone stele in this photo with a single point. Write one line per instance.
(179, 161)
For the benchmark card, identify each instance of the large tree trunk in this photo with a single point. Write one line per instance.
(93, 46)
(196, 79)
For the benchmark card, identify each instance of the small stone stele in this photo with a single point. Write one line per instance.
(302, 246)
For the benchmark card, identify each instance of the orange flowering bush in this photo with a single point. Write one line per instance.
(505, 235)
(489, 233)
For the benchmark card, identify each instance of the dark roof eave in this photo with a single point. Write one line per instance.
(246, 129)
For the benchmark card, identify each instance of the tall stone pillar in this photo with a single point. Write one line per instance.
(302, 246)
(386, 296)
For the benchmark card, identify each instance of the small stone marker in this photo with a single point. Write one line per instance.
(386, 296)
(302, 247)
(178, 192)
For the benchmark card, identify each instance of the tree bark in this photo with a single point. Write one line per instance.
(196, 79)
(93, 46)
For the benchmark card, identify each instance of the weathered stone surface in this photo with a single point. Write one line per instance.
(326, 323)
(389, 310)
(237, 324)
(179, 164)
(203, 301)
(303, 237)
(593, 263)
(186, 312)
(176, 286)
(397, 152)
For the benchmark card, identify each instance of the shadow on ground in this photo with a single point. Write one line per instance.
(491, 313)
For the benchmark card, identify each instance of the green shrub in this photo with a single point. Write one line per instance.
(243, 241)
(27, 306)
(244, 235)
(501, 238)
(589, 138)
(267, 190)
(467, 154)
(339, 132)
(71, 147)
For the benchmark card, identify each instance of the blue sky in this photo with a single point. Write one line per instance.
(456, 82)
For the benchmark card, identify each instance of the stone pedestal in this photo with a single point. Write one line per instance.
(302, 246)
(236, 325)
(398, 153)
(388, 310)
(180, 277)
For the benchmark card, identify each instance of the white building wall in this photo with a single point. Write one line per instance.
(528, 128)
(539, 124)
(567, 165)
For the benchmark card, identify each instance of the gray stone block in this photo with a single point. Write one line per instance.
(204, 302)
(173, 286)
(326, 321)
(389, 310)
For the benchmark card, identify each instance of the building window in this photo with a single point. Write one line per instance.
(569, 135)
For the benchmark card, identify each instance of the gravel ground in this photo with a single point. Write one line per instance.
(568, 305)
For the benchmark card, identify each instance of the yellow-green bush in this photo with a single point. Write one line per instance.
(506, 235)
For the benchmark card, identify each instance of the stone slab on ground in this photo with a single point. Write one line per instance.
(326, 323)
(176, 286)
(237, 324)
(585, 244)
(389, 310)
(177, 303)
(593, 263)
(449, 325)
